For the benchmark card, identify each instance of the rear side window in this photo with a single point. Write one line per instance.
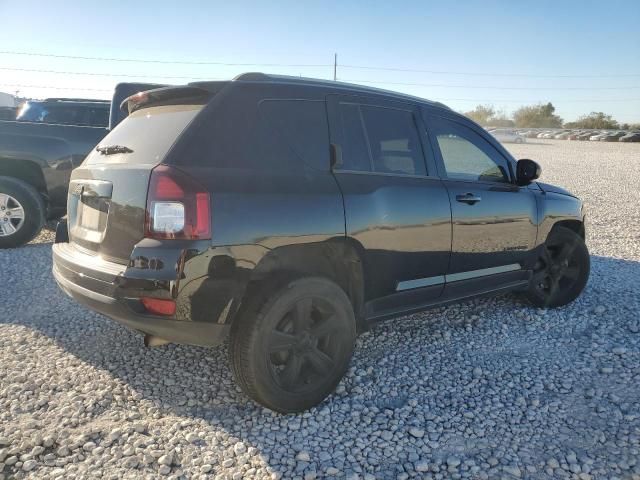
(64, 115)
(299, 126)
(393, 140)
(380, 139)
(97, 117)
(149, 132)
(247, 131)
(355, 151)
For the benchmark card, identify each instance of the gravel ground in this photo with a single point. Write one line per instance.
(487, 389)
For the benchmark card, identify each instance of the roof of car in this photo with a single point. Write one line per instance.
(259, 77)
(72, 102)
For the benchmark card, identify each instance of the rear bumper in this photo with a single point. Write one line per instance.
(103, 287)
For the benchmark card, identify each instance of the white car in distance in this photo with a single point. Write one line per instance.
(505, 135)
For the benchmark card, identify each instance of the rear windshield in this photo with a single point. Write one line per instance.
(149, 132)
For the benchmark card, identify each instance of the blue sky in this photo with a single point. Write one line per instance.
(505, 53)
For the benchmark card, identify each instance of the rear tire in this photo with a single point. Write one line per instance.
(22, 212)
(291, 346)
(561, 272)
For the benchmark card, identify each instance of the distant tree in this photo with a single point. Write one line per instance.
(500, 119)
(595, 120)
(481, 114)
(487, 115)
(537, 116)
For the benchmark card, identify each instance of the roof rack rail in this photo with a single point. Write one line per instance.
(265, 77)
(62, 99)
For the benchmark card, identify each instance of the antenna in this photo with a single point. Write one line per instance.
(335, 66)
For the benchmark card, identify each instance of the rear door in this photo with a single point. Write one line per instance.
(494, 220)
(395, 206)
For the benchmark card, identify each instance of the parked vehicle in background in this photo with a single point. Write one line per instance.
(562, 136)
(586, 135)
(287, 214)
(574, 135)
(532, 134)
(505, 135)
(8, 113)
(7, 106)
(36, 159)
(66, 111)
(596, 137)
(630, 137)
(613, 137)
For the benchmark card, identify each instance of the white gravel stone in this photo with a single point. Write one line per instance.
(29, 465)
(240, 448)
(303, 456)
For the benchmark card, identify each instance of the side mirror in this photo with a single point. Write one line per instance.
(527, 171)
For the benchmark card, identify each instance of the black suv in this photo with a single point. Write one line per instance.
(289, 214)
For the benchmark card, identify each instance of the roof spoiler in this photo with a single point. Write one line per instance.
(122, 91)
(165, 96)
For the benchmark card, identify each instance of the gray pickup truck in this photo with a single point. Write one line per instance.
(36, 159)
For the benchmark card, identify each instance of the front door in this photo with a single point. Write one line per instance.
(396, 208)
(494, 220)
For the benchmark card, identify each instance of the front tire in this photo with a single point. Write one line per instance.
(561, 272)
(290, 348)
(22, 212)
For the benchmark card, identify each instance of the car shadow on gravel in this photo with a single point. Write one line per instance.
(407, 372)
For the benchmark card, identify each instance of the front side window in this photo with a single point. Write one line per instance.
(380, 139)
(468, 156)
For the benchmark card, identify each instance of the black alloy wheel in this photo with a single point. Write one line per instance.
(562, 270)
(290, 347)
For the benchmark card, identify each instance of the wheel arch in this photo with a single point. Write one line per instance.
(338, 259)
(26, 170)
(574, 225)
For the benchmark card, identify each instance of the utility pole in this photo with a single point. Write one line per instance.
(335, 66)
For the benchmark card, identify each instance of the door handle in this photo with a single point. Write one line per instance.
(469, 198)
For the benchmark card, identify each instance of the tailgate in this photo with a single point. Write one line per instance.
(107, 194)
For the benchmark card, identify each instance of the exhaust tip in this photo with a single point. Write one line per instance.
(153, 341)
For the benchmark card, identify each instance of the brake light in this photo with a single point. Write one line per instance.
(177, 206)
(159, 306)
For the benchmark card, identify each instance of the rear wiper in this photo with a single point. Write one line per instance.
(111, 149)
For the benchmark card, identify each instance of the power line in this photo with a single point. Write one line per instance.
(316, 65)
(95, 74)
(432, 85)
(55, 88)
(485, 86)
(448, 72)
(581, 100)
(177, 62)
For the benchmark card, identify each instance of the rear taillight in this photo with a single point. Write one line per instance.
(177, 206)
